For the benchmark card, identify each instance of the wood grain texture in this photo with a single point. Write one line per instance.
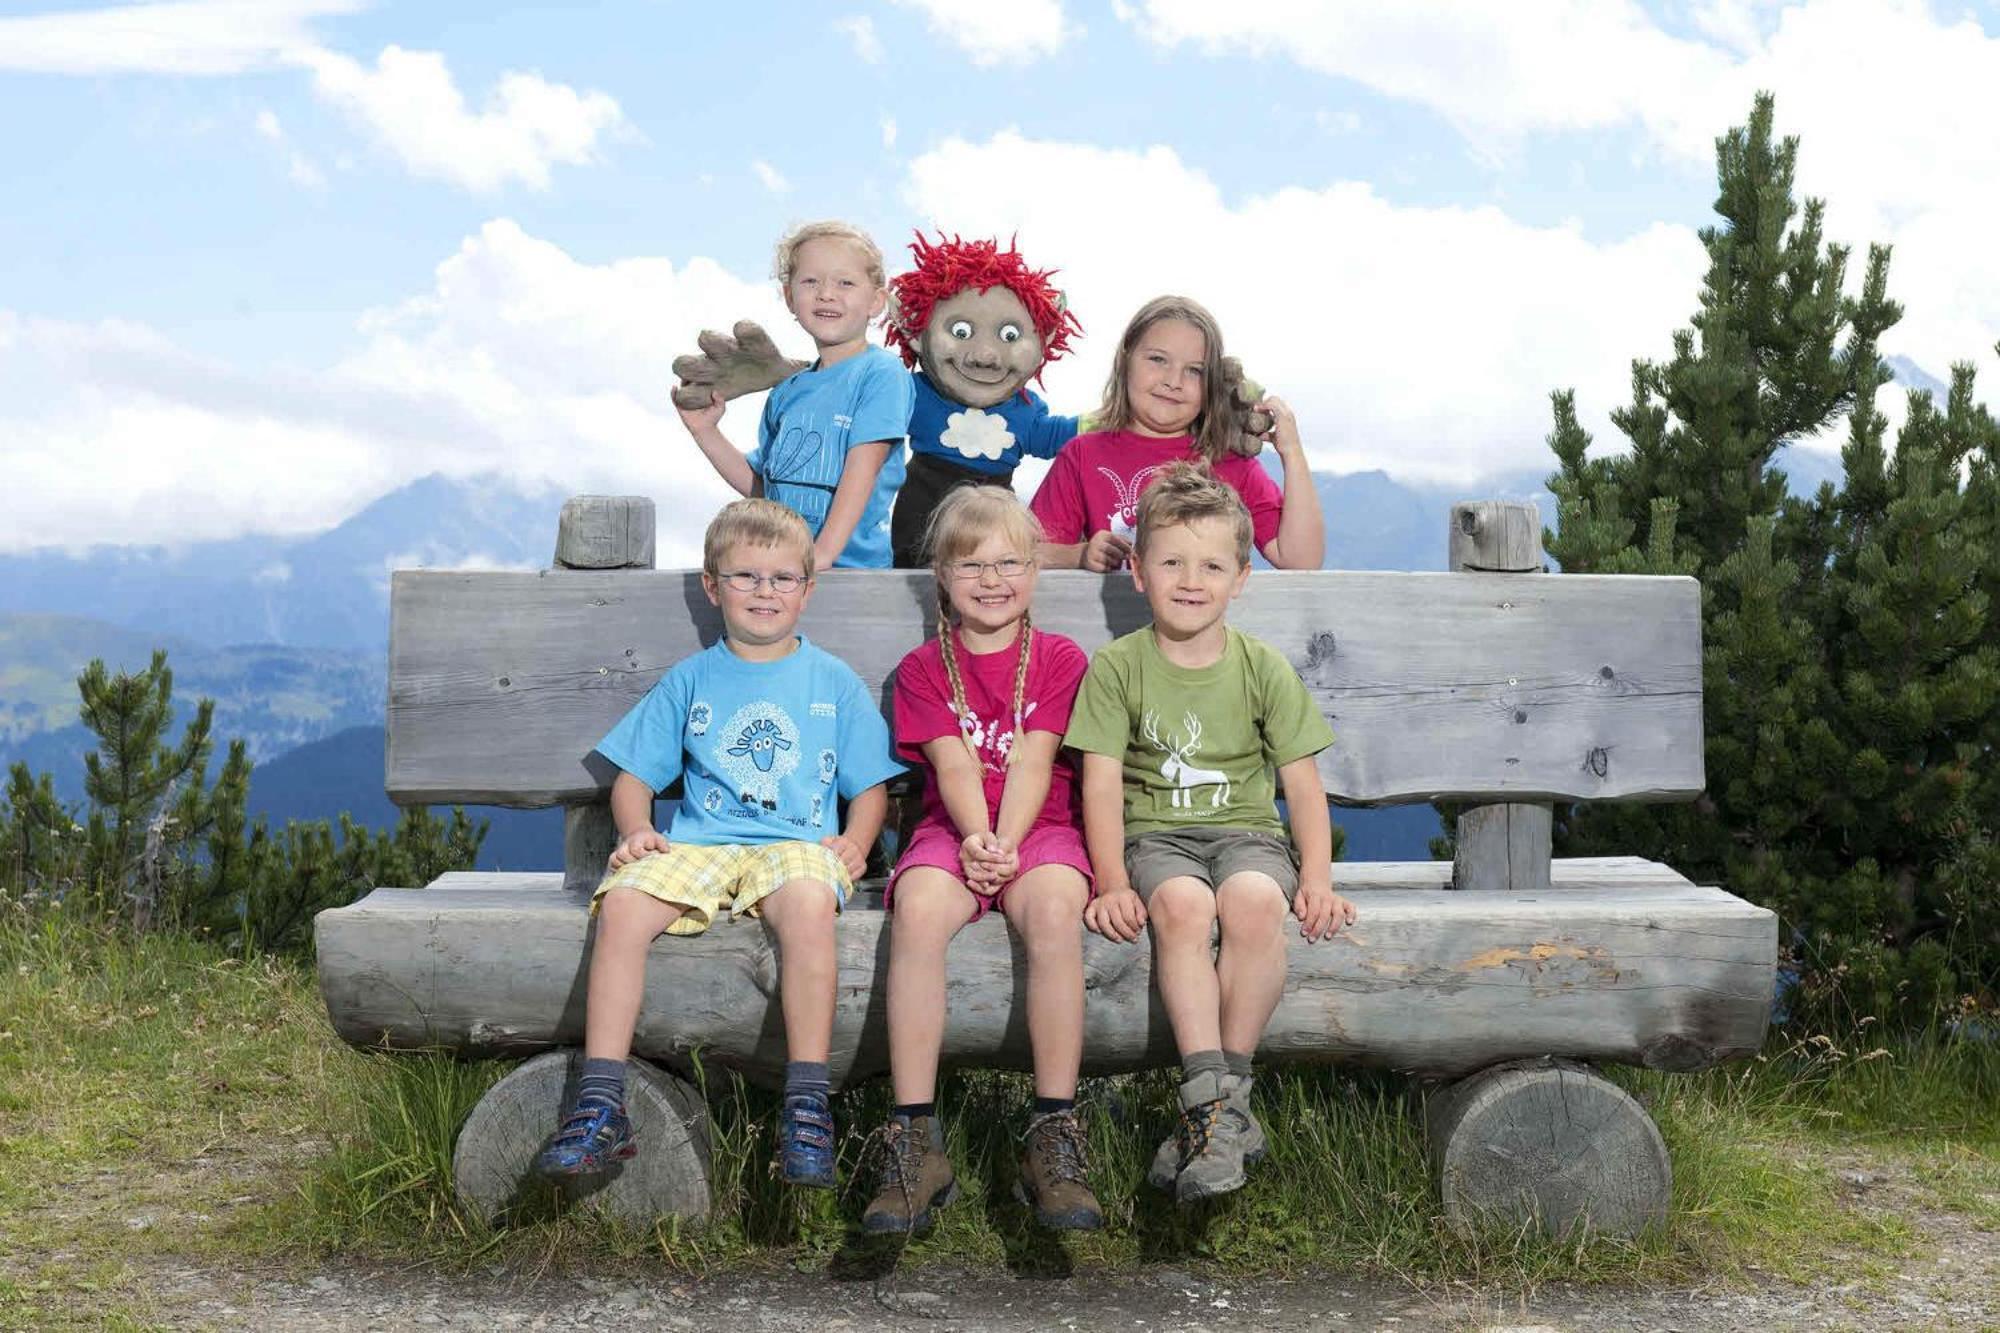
(1548, 1144)
(493, 1159)
(1506, 845)
(1582, 687)
(605, 532)
(1652, 972)
(1496, 537)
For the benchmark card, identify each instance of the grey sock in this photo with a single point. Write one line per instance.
(1238, 1062)
(1196, 1063)
(805, 1076)
(601, 1079)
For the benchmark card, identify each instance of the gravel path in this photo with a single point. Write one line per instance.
(1951, 1290)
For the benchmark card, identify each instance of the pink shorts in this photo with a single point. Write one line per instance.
(934, 843)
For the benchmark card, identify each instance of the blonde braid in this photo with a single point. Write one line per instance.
(959, 710)
(1027, 640)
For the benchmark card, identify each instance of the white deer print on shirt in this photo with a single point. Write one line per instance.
(1176, 769)
(1123, 521)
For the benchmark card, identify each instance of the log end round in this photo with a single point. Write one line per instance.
(497, 1146)
(1550, 1143)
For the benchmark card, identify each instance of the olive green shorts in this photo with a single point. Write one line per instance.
(1211, 855)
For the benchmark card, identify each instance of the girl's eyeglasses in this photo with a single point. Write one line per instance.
(1013, 567)
(742, 580)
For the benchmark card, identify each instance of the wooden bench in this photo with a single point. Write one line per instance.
(1506, 971)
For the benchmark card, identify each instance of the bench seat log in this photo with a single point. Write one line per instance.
(1638, 967)
(1496, 687)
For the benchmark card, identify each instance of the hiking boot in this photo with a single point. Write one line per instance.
(1166, 1164)
(592, 1136)
(1052, 1174)
(805, 1141)
(916, 1176)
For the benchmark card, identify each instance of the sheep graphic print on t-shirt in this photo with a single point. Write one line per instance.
(755, 745)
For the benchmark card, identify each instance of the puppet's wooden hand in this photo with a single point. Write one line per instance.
(747, 362)
(1252, 426)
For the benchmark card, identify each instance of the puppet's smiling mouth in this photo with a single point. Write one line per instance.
(985, 377)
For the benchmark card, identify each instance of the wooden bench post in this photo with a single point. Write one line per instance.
(598, 532)
(1508, 845)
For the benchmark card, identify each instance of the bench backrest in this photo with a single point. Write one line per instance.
(1496, 687)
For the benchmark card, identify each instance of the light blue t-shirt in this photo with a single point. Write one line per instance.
(810, 422)
(761, 748)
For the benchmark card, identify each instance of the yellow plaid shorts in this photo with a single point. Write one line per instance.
(702, 881)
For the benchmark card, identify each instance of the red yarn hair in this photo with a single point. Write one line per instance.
(947, 267)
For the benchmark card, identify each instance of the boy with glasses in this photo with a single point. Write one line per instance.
(765, 733)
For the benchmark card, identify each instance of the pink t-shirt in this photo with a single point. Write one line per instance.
(1094, 484)
(923, 712)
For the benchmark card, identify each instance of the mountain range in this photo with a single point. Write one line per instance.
(289, 634)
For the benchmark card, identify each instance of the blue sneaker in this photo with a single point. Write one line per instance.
(805, 1141)
(593, 1136)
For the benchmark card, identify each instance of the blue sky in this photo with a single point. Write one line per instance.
(262, 262)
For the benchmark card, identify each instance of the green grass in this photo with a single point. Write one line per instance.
(159, 1098)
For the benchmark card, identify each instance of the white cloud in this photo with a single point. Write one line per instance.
(410, 103)
(889, 132)
(1892, 101)
(1419, 340)
(769, 177)
(860, 29)
(518, 359)
(204, 37)
(407, 102)
(1017, 33)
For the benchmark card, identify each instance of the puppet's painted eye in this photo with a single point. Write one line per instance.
(1010, 333)
(961, 329)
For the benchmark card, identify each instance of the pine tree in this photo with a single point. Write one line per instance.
(1852, 701)
(132, 779)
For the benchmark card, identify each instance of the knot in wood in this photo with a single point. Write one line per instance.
(1320, 649)
(1598, 761)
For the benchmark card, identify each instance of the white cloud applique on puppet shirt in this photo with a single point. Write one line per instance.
(976, 433)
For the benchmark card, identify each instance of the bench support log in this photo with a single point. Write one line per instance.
(1501, 846)
(497, 1145)
(1547, 1143)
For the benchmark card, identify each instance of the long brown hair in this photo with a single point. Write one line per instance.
(1215, 423)
(961, 522)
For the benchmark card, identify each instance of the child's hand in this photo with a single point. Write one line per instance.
(1105, 552)
(1284, 432)
(634, 846)
(989, 861)
(1321, 911)
(853, 856)
(1117, 915)
(698, 419)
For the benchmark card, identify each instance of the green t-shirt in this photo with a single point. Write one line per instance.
(1198, 747)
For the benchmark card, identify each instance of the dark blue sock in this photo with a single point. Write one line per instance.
(1050, 1105)
(806, 1077)
(602, 1080)
(912, 1110)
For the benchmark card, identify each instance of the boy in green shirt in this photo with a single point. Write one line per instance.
(1180, 726)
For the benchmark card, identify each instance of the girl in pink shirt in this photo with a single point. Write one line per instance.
(982, 709)
(1165, 402)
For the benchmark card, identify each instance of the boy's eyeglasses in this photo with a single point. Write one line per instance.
(1013, 567)
(742, 580)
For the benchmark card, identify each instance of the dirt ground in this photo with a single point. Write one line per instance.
(1948, 1278)
(1956, 1290)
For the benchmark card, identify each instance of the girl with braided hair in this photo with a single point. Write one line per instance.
(981, 709)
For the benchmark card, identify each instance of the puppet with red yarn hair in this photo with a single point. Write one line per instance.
(975, 323)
